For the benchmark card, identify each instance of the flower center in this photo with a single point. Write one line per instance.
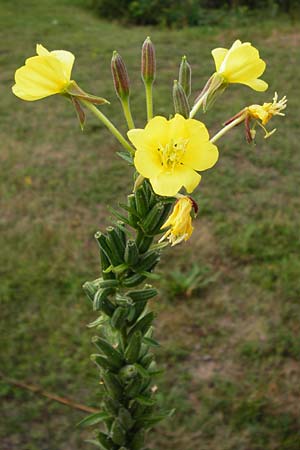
(172, 153)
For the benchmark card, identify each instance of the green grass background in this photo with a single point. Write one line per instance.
(231, 350)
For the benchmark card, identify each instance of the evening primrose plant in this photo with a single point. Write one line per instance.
(166, 156)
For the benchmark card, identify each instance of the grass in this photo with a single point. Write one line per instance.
(231, 348)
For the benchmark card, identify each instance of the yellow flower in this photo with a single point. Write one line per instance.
(240, 64)
(170, 152)
(180, 222)
(46, 74)
(266, 111)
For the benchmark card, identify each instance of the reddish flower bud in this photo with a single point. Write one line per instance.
(148, 61)
(120, 76)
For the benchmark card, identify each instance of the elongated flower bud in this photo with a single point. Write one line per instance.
(120, 76)
(185, 76)
(180, 100)
(148, 61)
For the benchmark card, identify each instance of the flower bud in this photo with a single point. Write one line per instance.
(120, 76)
(180, 100)
(185, 76)
(148, 61)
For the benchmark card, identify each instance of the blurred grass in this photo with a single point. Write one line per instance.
(231, 350)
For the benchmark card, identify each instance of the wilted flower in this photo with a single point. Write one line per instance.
(179, 222)
(170, 152)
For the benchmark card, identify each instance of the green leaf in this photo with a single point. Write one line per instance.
(151, 342)
(93, 419)
(147, 401)
(143, 372)
(94, 442)
(152, 276)
(101, 319)
(126, 156)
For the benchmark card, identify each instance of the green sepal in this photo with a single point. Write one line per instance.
(138, 441)
(93, 419)
(105, 441)
(112, 385)
(143, 324)
(134, 347)
(111, 406)
(125, 418)
(103, 362)
(134, 387)
(181, 104)
(75, 91)
(131, 254)
(117, 433)
(128, 373)
(142, 294)
(112, 354)
(119, 317)
(185, 76)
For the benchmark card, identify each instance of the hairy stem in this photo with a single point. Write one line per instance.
(109, 125)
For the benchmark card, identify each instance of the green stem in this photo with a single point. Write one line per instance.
(227, 128)
(149, 100)
(197, 106)
(127, 113)
(109, 125)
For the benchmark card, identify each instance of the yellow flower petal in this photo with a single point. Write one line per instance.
(169, 152)
(258, 85)
(67, 59)
(41, 50)
(240, 64)
(38, 77)
(219, 55)
(200, 158)
(178, 127)
(157, 131)
(147, 163)
(179, 221)
(138, 137)
(46, 74)
(169, 183)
